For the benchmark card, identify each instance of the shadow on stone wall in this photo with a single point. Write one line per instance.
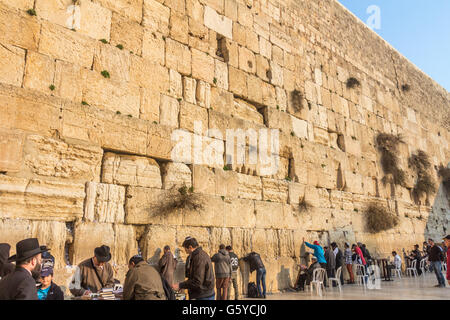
(439, 218)
(284, 278)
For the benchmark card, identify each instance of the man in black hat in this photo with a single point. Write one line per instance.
(93, 274)
(21, 284)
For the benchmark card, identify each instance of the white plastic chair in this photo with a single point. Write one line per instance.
(318, 278)
(361, 275)
(398, 272)
(444, 266)
(422, 265)
(336, 279)
(412, 270)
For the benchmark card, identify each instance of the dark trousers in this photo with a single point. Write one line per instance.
(261, 278)
(301, 281)
(222, 288)
(235, 286)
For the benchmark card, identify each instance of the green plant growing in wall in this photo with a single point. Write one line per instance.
(304, 206)
(424, 183)
(104, 41)
(178, 198)
(444, 174)
(105, 74)
(52, 87)
(406, 87)
(379, 219)
(387, 145)
(297, 100)
(31, 12)
(84, 103)
(352, 83)
(119, 46)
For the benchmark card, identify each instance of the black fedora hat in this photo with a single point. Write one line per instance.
(27, 248)
(102, 253)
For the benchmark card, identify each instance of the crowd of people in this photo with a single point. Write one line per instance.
(30, 277)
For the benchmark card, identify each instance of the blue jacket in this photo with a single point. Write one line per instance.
(318, 252)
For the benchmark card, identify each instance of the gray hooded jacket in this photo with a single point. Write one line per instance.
(222, 264)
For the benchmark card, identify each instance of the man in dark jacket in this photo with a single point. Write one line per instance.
(331, 262)
(234, 268)
(167, 265)
(93, 274)
(339, 258)
(222, 269)
(48, 290)
(142, 282)
(307, 276)
(21, 284)
(435, 258)
(5, 266)
(200, 283)
(256, 263)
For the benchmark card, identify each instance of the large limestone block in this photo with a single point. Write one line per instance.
(154, 240)
(104, 203)
(265, 242)
(67, 45)
(159, 145)
(69, 81)
(90, 235)
(241, 240)
(246, 111)
(156, 16)
(204, 180)
(117, 62)
(178, 57)
(179, 27)
(11, 150)
(105, 128)
(12, 62)
(39, 72)
(110, 95)
(54, 158)
(18, 28)
(143, 204)
(219, 236)
(220, 24)
(127, 33)
(239, 213)
(40, 200)
(49, 233)
(87, 18)
(275, 190)
(201, 234)
(202, 66)
(175, 175)
(190, 114)
(128, 8)
(226, 183)
(131, 170)
(154, 47)
(19, 4)
(250, 187)
(28, 110)
(273, 215)
(125, 244)
(296, 192)
(212, 213)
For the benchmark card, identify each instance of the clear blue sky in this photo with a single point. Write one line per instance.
(419, 29)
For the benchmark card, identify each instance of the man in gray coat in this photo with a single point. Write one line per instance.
(331, 262)
(21, 284)
(222, 268)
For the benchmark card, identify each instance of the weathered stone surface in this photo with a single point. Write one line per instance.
(50, 157)
(39, 72)
(90, 235)
(12, 62)
(49, 233)
(226, 183)
(178, 57)
(212, 213)
(111, 130)
(168, 111)
(154, 240)
(202, 66)
(120, 98)
(115, 61)
(11, 22)
(125, 244)
(104, 203)
(156, 16)
(128, 8)
(40, 200)
(131, 171)
(127, 33)
(175, 175)
(67, 45)
(220, 24)
(204, 180)
(250, 187)
(11, 150)
(239, 213)
(69, 80)
(275, 190)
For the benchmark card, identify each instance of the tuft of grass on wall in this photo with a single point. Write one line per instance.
(181, 198)
(379, 219)
(420, 162)
(304, 206)
(352, 83)
(297, 100)
(387, 145)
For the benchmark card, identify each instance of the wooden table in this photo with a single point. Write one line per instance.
(383, 265)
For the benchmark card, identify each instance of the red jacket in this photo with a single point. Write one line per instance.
(448, 264)
(360, 254)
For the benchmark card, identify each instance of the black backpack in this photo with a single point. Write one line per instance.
(252, 291)
(170, 294)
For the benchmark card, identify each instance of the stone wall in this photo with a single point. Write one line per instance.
(86, 159)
